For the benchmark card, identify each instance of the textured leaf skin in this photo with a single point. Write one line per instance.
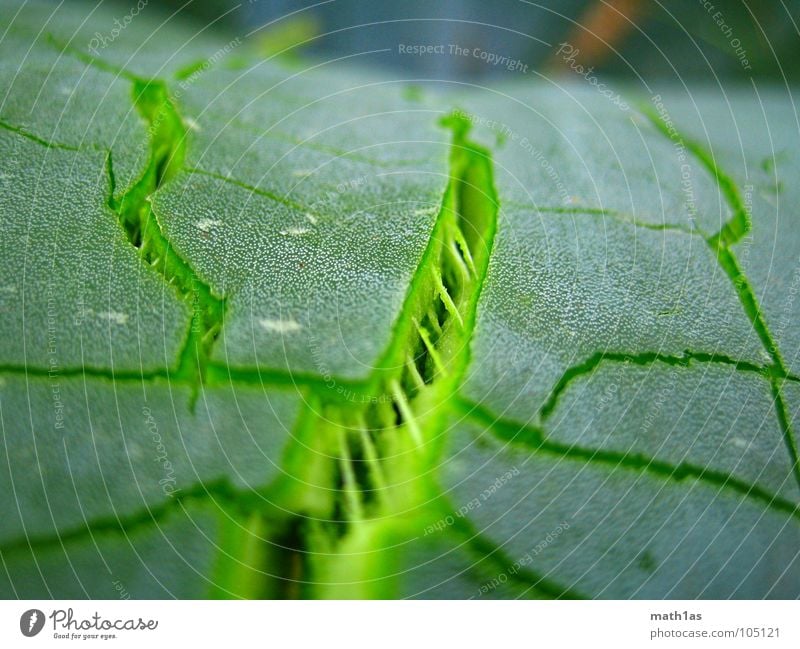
(95, 318)
(273, 331)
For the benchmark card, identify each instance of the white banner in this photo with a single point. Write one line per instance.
(379, 625)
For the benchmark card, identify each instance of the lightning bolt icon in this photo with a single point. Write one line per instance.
(32, 620)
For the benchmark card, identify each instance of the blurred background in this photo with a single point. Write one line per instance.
(694, 40)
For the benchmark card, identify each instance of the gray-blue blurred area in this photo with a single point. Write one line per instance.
(627, 39)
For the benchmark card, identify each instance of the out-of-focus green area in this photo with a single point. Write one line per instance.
(629, 39)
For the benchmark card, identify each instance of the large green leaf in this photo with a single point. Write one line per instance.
(283, 331)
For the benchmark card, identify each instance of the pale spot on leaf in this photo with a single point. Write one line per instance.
(115, 317)
(295, 231)
(426, 211)
(280, 326)
(206, 225)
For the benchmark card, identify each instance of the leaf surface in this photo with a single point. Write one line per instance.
(284, 331)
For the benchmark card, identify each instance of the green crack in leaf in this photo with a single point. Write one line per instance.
(381, 452)
(646, 358)
(167, 150)
(35, 138)
(368, 469)
(536, 441)
(738, 226)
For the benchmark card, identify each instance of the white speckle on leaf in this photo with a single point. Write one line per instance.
(311, 218)
(303, 173)
(738, 442)
(295, 231)
(192, 124)
(206, 225)
(280, 326)
(425, 211)
(114, 317)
